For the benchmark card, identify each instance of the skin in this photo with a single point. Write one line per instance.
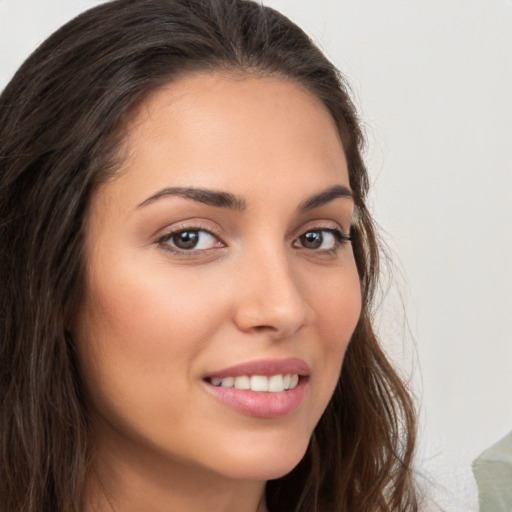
(155, 321)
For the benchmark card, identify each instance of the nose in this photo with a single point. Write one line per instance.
(270, 296)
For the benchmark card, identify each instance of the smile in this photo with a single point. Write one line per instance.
(259, 383)
(263, 389)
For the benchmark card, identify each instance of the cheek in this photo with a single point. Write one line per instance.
(138, 340)
(146, 313)
(337, 308)
(337, 304)
(137, 335)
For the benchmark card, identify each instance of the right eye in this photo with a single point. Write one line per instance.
(190, 240)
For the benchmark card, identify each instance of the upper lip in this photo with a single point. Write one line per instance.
(265, 367)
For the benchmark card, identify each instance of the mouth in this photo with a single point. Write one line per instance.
(262, 389)
(258, 383)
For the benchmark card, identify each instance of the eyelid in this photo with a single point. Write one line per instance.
(319, 225)
(341, 236)
(192, 224)
(162, 238)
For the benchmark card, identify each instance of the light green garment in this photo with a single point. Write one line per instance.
(493, 473)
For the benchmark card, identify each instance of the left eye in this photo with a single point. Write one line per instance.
(188, 239)
(320, 239)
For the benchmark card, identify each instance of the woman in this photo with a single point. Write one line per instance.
(188, 267)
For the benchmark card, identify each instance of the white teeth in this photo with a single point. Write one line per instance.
(259, 383)
(275, 383)
(228, 382)
(242, 382)
(272, 384)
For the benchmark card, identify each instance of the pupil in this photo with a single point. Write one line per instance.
(312, 240)
(186, 239)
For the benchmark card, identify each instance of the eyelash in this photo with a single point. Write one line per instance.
(340, 238)
(164, 240)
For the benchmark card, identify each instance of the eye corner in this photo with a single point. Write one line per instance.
(332, 236)
(196, 240)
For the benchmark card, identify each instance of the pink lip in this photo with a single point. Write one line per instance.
(264, 367)
(262, 404)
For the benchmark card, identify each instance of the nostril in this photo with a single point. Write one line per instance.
(261, 328)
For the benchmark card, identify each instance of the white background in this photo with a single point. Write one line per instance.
(433, 81)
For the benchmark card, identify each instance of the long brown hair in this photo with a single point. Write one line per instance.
(61, 125)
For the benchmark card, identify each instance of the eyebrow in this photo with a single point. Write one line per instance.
(325, 197)
(209, 197)
(230, 201)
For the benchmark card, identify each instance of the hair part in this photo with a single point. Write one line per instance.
(61, 131)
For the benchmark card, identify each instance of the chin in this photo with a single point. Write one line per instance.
(262, 463)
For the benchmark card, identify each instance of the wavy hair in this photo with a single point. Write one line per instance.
(61, 127)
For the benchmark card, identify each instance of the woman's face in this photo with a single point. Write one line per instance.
(217, 261)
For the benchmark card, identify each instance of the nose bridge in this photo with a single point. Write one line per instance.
(271, 297)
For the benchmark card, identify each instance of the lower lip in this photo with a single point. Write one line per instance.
(260, 404)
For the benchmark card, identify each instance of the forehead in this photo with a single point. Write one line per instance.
(230, 131)
(224, 91)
